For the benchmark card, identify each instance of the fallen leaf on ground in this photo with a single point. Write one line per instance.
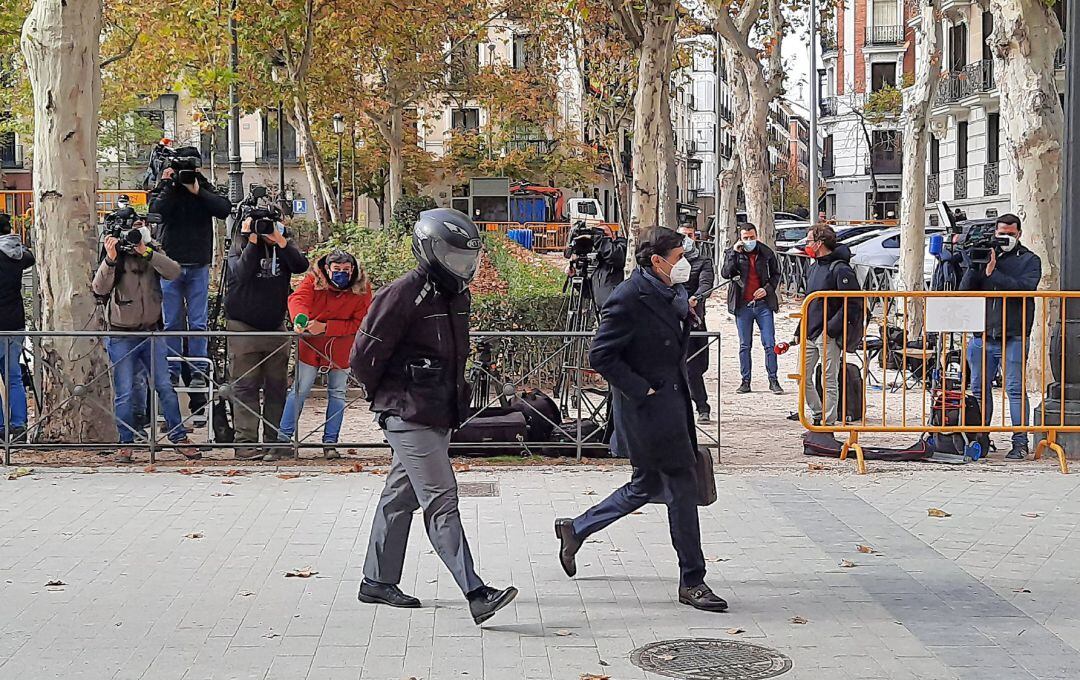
(150, 468)
(846, 564)
(604, 663)
(189, 471)
(563, 633)
(865, 549)
(20, 472)
(937, 512)
(1032, 514)
(288, 475)
(235, 473)
(193, 535)
(717, 559)
(462, 467)
(734, 631)
(1021, 590)
(300, 573)
(798, 620)
(89, 471)
(355, 467)
(616, 550)
(245, 593)
(594, 676)
(221, 494)
(637, 512)
(815, 466)
(271, 636)
(379, 472)
(589, 492)
(228, 481)
(55, 584)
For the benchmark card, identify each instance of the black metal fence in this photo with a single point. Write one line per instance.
(502, 366)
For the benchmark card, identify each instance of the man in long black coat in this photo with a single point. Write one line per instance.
(640, 348)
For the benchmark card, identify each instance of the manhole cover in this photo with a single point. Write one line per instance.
(710, 660)
(478, 489)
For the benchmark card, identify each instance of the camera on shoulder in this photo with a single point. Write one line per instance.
(257, 207)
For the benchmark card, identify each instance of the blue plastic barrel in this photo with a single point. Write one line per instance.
(523, 237)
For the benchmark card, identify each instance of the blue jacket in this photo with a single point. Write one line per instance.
(1020, 269)
(641, 344)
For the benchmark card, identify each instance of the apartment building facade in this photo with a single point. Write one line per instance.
(866, 48)
(967, 164)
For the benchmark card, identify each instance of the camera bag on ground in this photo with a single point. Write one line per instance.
(852, 404)
(541, 414)
(946, 413)
(825, 445)
(594, 439)
(493, 425)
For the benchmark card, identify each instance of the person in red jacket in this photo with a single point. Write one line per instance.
(327, 309)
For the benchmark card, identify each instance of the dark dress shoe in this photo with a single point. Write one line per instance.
(569, 544)
(702, 597)
(385, 593)
(485, 601)
(744, 387)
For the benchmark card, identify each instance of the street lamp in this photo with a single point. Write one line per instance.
(814, 112)
(277, 66)
(339, 130)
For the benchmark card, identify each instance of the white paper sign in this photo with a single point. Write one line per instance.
(955, 315)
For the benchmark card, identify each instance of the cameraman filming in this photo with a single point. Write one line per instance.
(261, 265)
(608, 270)
(188, 206)
(1011, 267)
(130, 276)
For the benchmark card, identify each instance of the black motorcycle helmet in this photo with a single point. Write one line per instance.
(447, 246)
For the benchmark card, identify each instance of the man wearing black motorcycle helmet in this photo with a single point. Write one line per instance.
(409, 357)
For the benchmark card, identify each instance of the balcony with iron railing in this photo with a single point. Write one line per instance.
(975, 79)
(532, 145)
(960, 183)
(933, 187)
(828, 41)
(884, 36)
(830, 106)
(991, 179)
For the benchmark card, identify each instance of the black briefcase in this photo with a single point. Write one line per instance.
(706, 480)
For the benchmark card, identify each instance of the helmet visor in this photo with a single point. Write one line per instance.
(461, 262)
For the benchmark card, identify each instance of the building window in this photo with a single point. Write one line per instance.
(886, 156)
(993, 142)
(886, 13)
(886, 207)
(270, 137)
(465, 119)
(882, 74)
(962, 145)
(987, 29)
(525, 56)
(935, 156)
(464, 62)
(958, 47)
(214, 144)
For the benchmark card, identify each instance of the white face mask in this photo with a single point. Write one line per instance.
(680, 271)
(145, 231)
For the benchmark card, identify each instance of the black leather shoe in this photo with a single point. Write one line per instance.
(1018, 452)
(702, 597)
(385, 593)
(569, 544)
(774, 386)
(485, 601)
(744, 387)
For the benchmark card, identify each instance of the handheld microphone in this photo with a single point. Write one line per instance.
(301, 320)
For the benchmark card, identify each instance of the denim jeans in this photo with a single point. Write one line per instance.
(184, 304)
(13, 380)
(337, 381)
(127, 355)
(1015, 351)
(745, 318)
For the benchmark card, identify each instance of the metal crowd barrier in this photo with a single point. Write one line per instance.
(932, 345)
(65, 409)
(547, 236)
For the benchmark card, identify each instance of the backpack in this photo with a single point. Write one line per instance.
(541, 414)
(856, 326)
(852, 404)
(946, 413)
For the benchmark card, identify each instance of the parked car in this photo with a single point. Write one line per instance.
(778, 217)
(883, 250)
(848, 235)
(789, 233)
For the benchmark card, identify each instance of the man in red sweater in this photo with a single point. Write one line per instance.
(327, 308)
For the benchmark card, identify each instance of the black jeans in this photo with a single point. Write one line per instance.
(678, 490)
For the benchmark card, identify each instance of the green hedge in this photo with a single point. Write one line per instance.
(533, 302)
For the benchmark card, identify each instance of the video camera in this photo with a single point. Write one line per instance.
(263, 213)
(582, 240)
(125, 225)
(978, 238)
(185, 162)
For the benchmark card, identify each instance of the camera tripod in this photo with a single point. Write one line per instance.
(580, 316)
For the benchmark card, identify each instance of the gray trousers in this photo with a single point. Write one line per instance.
(420, 477)
(830, 374)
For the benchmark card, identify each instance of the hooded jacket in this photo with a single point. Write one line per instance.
(341, 310)
(133, 285)
(832, 272)
(15, 258)
(411, 351)
(1020, 269)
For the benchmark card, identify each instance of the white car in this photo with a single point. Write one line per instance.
(882, 249)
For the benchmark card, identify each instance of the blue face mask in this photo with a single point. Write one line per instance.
(340, 279)
(749, 244)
